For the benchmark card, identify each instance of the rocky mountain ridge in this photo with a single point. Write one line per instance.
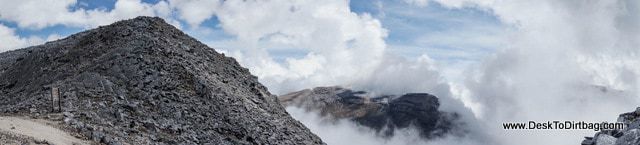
(142, 81)
(383, 113)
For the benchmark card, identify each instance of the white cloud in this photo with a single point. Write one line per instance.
(34, 14)
(421, 3)
(345, 132)
(195, 12)
(11, 41)
(343, 46)
(567, 60)
(39, 14)
(126, 9)
(455, 38)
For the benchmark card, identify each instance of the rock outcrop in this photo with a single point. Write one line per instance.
(142, 81)
(630, 135)
(384, 114)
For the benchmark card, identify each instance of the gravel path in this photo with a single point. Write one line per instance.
(38, 130)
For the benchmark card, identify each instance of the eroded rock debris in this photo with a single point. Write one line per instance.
(142, 81)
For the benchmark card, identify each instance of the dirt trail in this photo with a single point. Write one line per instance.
(38, 130)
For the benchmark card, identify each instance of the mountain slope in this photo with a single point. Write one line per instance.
(142, 81)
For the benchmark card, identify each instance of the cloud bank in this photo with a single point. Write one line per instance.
(345, 132)
(567, 60)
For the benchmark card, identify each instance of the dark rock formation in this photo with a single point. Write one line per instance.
(142, 81)
(630, 135)
(382, 113)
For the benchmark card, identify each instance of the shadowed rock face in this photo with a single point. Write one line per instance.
(142, 81)
(382, 113)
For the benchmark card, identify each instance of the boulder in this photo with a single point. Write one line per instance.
(605, 139)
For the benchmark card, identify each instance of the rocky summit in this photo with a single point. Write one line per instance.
(142, 81)
(630, 135)
(385, 113)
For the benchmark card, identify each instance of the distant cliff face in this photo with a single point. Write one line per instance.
(142, 81)
(382, 113)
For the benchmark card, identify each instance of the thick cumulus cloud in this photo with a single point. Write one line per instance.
(567, 60)
(341, 46)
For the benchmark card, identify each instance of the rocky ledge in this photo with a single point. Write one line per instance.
(630, 135)
(385, 113)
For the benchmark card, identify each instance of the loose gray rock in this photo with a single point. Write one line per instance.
(605, 139)
(630, 135)
(142, 81)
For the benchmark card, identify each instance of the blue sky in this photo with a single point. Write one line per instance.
(445, 34)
